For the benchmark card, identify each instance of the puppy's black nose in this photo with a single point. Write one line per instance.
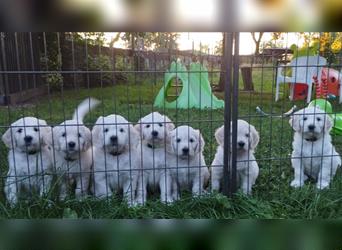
(28, 138)
(185, 151)
(114, 139)
(71, 144)
(311, 127)
(154, 133)
(241, 144)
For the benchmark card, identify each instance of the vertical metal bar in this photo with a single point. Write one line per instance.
(4, 67)
(227, 111)
(234, 106)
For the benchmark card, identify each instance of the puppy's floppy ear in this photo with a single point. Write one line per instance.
(8, 138)
(55, 135)
(96, 131)
(46, 132)
(201, 143)
(169, 124)
(294, 121)
(254, 137)
(87, 137)
(170, 143)
(328, 123)
(219, 135)
(133, 136)
(137, 128)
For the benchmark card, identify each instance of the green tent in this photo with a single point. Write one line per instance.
(196, 91)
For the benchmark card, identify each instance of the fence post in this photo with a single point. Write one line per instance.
(235, 111)
(231, 111)
(228, 52)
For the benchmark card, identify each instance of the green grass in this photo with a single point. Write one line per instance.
(272, 197)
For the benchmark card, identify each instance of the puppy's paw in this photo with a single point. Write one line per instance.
(296, 183)
(322, 184)
(132, 204)
(138, 202)
(169, 200)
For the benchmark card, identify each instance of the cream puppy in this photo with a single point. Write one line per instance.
(72, 151)
(117, 162)
(313, 154)
(246, 165)
(29, 159)
(186, 161)
(154, 132)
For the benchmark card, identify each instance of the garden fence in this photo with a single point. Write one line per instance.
(69, 68)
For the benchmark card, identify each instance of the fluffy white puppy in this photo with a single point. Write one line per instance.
(246, 165)
(116, 157)
(186, 161)
(30, 163)
(313, 154)
(72, 151)
(154, 132)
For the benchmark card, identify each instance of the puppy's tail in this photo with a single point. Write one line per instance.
(84, 107)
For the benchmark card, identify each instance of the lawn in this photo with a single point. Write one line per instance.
(272, 197)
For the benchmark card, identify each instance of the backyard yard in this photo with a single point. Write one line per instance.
(272, 195)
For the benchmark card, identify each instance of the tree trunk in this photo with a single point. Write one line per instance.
(246, 73)
(257, 42)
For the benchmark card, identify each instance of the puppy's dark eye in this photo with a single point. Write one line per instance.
(36, 129)
(122, 130)
(79, 135)
(63, 135)
(318, 118)
(160, 125)
(148, 125)
(178, 140)
(20, 130)
(247, 135)
(106, 130)
(191, 140)
(305, 118)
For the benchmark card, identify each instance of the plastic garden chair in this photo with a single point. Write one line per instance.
(303, 70)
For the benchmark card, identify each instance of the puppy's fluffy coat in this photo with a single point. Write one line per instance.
(72, 151)
(313, 153)
(186, 161)
(246, 165)
(154, 131)
(29, 158)
(116, 157)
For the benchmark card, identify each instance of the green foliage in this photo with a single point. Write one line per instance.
(51, 60)
(101, 63)
(151, 40)
(306, 50)
(91, 38)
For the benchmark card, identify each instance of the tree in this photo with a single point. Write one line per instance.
(151, 40)
(257, 36)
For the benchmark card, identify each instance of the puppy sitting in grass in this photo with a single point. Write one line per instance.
(154, 131)
(186, 162)
(30, 159)
(116, 154)
(246, 165)
(72, 152)
(313, 153)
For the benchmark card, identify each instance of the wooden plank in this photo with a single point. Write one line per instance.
(20, 97)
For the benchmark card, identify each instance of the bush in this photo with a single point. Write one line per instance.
(100, 63)
(53, 80)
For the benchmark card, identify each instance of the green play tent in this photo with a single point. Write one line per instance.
(196, 91)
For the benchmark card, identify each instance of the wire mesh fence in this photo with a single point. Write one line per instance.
(82, 119)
